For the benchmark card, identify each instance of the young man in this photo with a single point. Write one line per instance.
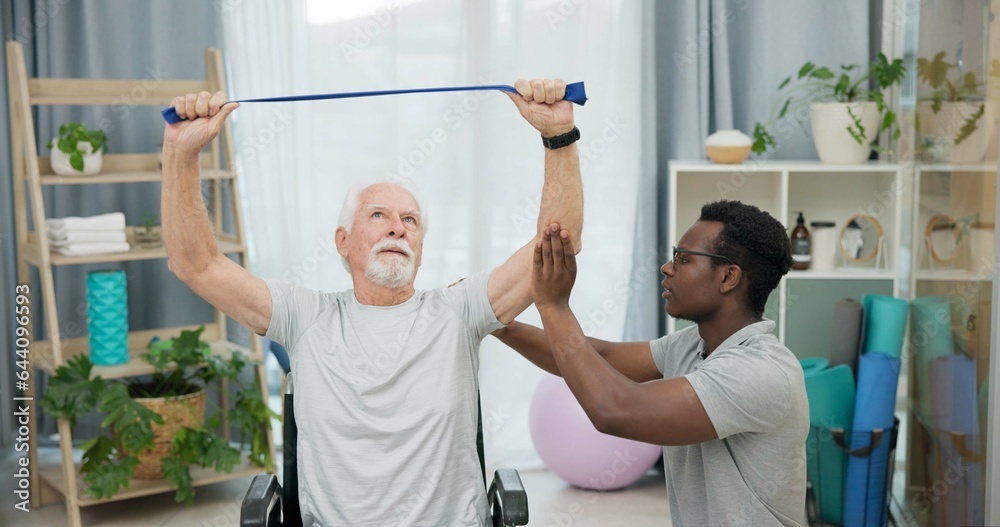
(724, 397)
(385, 376)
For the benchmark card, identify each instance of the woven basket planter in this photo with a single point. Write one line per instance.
(177, 412)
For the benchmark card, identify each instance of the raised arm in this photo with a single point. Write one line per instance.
(541, 104)
(632, 359)
(662, 412)
(192, 251)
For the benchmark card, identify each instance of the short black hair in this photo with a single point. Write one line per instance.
(757, 243)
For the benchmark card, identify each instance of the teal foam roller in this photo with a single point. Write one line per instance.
(107, 313)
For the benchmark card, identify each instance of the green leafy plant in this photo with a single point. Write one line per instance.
(182, 368)
(70, 137)
(852, 83)
(967, 87)
(149, 223)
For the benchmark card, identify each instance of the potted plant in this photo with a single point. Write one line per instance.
(78, 151)
(149, 235)
(157, 426)
(847, 110)
(949, 119)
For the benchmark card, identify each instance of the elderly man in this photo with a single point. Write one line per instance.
(386, 376)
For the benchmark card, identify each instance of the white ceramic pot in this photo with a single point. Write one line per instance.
(728, 146)
(938, 130)
(834, 143)
(92, 161)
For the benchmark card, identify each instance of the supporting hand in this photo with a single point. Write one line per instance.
(204, 113)
(554, 270)
(541, 103)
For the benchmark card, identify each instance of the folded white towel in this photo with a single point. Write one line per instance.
(70, 237)
(84, 249)
(114, 221)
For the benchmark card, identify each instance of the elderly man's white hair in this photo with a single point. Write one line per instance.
(350, 206)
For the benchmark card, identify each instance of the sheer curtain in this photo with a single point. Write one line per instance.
(478, 164)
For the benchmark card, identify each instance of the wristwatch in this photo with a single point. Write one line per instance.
(560, 141)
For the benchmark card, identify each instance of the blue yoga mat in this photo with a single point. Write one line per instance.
(575, 93)
(865, 495)
(955, 419)
(931, 337)
(813, 364)
(885, 322)
(831, 405)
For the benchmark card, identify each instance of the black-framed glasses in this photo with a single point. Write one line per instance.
(678, 252)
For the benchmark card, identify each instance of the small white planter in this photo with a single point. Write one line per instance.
(92, 161)
(939, 130)
(834, 143)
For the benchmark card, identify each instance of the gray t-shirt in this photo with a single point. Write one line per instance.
(386, 403)
(753, 391)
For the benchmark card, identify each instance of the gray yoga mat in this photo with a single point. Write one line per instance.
(930, 337)
(960, 456)
(847, 319)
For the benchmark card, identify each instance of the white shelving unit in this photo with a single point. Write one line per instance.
(958, 191)
(824, 192)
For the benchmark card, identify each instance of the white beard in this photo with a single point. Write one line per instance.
(390, 270)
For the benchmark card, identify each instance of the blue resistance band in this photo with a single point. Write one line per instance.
(574, 93)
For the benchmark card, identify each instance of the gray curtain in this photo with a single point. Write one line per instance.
(155, 40)
(718, 64)
(8, 269)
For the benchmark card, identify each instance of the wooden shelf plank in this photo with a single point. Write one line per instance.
(950, 275)
(33, 253)
(125, 177)
(138, 341)
(125, 168)
(137, 488)
(109, 92)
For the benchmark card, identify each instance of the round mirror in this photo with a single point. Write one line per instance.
(859, 238)
(942, 235)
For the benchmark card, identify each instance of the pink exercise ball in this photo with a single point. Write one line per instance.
(571, 447)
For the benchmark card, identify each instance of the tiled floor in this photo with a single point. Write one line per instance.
(552, 502)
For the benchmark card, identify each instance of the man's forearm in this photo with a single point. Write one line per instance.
(187, 232)
(532, 343)
(594, 382)
(562, 193)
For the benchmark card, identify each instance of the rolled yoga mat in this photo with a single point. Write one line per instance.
(813, 364)
(831, 405)
(865, 494)
(885, 322)
(959, 458)
(107, 316)
(931, 337)
(848, 316)
(575, 93)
